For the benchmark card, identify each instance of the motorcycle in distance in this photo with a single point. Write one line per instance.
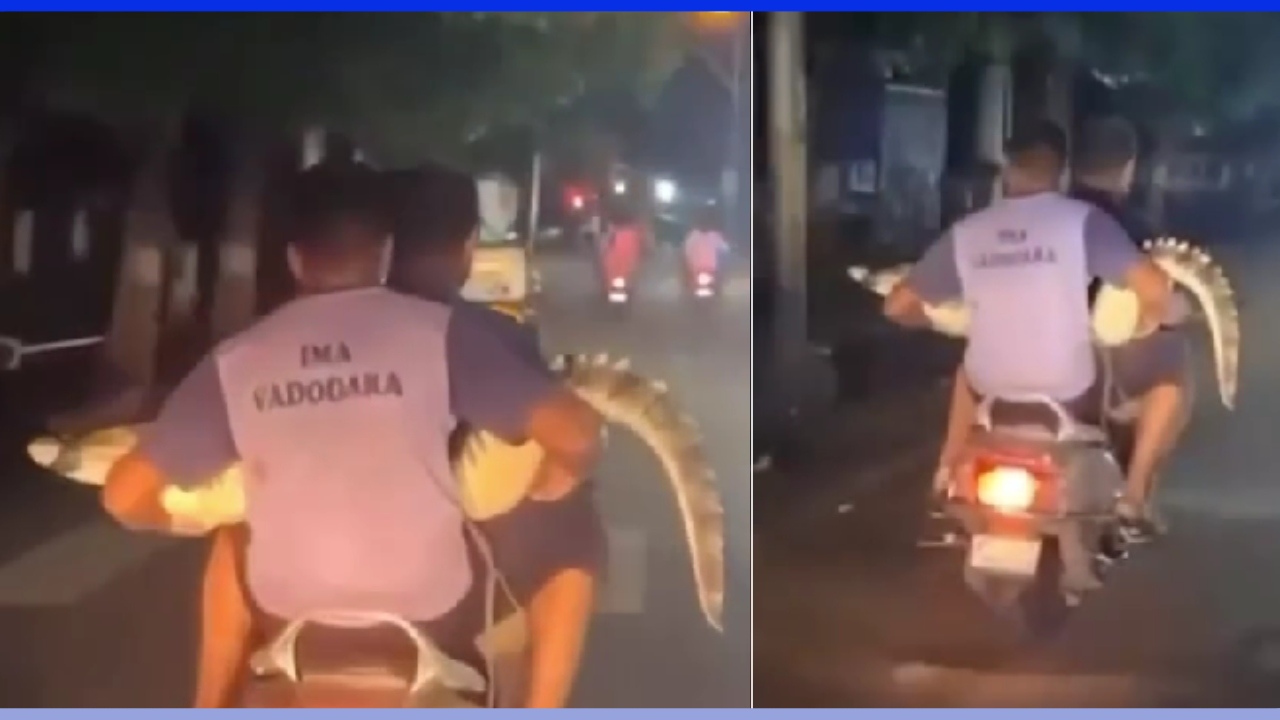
(620, 258)
(705, 250)
(618, 296)
(1034, 494)
(702, 287)
(705, 285)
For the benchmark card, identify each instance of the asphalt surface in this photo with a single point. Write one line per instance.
(849, 612)
(92, 616)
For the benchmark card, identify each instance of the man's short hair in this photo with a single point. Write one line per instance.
(1041, 139)
(435, 209)
(327, 201)
(1105, 144)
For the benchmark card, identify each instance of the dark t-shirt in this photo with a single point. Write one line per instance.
(1135, 226)
(1133, 223)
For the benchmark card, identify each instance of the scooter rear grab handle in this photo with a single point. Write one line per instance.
(280, 656)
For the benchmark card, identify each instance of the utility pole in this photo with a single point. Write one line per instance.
(789, 161)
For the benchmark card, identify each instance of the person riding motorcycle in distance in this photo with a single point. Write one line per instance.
(624, 244)
(339, 407)
(705, 245)
(1153, 370)
(1022, 267)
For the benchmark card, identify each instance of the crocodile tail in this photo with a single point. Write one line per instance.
(1193, 269)
(647, 409)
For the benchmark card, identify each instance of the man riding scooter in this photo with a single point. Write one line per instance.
(361, 521)
(704, 250)
(1022, 266)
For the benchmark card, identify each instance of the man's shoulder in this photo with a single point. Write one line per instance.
(1056, 206)
(468, 311)
(1133, 222)
(497, 323)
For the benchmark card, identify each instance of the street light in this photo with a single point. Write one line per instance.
(718, 18)
(665, 191)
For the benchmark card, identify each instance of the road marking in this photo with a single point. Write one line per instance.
(75, 564)
(625, 584)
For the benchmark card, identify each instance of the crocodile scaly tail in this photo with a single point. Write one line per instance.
(646, 408)
(1193, 269)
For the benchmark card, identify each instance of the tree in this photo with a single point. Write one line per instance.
(1218, 64)
(408, 86)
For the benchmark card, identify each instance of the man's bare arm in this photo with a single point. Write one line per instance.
(1155, 293)
(904, 306)
(568, 429)
(132, 493)
(934, 278)
(1111, 255)
(501, 386)
(188, 443)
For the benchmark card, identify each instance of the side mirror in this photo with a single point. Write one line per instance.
(10, 353)
(12, 350)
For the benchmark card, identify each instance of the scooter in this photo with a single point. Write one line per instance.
(1034, 496)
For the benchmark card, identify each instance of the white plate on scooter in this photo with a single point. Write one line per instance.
(1004, 555)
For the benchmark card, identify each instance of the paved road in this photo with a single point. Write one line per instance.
(95, 617)
(849, 613)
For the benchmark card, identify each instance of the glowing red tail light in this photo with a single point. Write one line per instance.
(1013, 483)
(1010, 489)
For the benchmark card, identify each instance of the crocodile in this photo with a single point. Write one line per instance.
(493, 476)
(1116, 309)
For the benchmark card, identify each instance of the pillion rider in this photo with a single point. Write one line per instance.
(1152, 371)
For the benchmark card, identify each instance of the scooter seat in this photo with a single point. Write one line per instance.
(1036, 418)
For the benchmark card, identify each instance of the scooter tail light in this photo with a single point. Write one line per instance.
(704, 278)
(1007, 488)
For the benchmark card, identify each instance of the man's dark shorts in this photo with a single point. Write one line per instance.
(1140, 366)
(530, 545)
